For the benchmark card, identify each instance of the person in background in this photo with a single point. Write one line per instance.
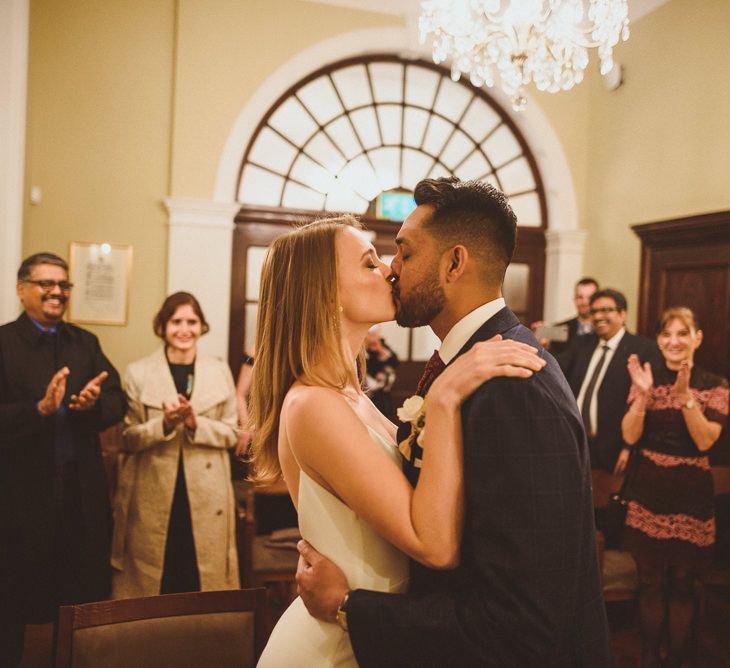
(243, 388)
(581, 324)
(675, 414)
(381, 363)
(57, 392)
(174, 519)
(595, 366)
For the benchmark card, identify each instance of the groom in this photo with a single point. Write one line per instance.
(527, 591)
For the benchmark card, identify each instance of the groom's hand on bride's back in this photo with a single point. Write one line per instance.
(320, 583)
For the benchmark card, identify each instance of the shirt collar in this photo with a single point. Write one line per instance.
(613, 342)
(463, 330)
(48, 330)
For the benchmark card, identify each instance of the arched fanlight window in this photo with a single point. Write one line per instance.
(362, 126)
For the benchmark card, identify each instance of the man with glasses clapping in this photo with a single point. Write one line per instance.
(595, 366)
(57, 392)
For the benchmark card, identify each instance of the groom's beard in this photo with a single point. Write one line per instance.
(422, 304)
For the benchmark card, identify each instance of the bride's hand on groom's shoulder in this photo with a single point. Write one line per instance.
(484, 361)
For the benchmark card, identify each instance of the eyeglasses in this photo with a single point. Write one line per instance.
(47, 286)
(603, 309)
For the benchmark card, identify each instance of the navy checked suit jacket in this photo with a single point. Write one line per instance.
(527, 591)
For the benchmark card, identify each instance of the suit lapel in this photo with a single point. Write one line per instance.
(499, 323)
(210, 387)
(619, 358)
(583, 360)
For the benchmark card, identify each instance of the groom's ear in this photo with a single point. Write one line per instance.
(457, 258)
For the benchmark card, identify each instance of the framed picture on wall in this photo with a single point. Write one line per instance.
(100, 273)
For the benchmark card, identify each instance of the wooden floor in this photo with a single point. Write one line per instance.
(713, 652)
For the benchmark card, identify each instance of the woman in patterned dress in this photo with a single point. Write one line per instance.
(675, 415)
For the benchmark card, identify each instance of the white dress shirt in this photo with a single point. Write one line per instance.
(612, 344)
(463, 330)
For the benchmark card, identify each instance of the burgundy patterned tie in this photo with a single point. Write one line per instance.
(434, 367)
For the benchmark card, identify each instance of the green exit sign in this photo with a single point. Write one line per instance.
(394, 205)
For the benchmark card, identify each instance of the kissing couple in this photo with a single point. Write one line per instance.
(466, 538)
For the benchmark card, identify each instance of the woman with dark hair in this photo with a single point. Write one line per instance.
(675, 414)
(174, 523)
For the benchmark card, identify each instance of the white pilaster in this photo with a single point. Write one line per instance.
(563, 269)
(13, 87)
(199, 261)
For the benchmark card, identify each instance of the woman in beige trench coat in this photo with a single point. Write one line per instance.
(174, 519)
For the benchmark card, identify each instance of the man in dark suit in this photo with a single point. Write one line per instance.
(595, 366)
(527, 591)
(57, 392)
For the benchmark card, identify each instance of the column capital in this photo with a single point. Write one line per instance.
(565, 241)
(189, 212)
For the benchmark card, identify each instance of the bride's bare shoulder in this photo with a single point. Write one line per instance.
(307, 399)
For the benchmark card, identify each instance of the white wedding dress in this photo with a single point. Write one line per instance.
(368, 561)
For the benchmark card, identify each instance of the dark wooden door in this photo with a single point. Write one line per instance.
(686, 262)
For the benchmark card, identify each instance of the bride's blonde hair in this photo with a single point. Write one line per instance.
(298, 329)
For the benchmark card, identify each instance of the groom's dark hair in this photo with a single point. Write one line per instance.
(474, 214)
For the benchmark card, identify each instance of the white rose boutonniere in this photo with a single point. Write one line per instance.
(413, 410)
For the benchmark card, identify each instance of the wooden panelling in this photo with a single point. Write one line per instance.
(686, 262)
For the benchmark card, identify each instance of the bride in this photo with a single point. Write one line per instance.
(323, 286)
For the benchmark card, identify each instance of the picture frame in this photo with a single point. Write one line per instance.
(101, 274)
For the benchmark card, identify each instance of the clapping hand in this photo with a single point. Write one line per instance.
(53, 397)
(641, 376)
(681, 385)
(87, 398)
(188, 413)
(174, 414)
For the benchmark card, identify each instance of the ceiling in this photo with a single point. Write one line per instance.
(637, 8)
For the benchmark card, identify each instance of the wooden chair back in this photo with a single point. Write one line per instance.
(216, 628)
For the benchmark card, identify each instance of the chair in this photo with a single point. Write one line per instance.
(262, 510)
(618, 568)
(215, 628)
(718, 577)
(262, 565)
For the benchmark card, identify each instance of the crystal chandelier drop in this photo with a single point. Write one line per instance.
(523, 41)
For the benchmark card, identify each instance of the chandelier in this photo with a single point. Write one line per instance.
(522, 41)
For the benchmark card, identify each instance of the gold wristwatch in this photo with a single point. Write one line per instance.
(342, 613)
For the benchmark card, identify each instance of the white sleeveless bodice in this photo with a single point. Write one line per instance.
(367, 559)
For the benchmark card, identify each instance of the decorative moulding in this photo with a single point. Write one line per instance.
(188, 212)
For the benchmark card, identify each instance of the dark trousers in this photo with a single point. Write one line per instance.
(58, 575)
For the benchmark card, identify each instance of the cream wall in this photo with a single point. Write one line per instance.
(226, 48)
(659, 146)
(98, 144)
(132, 101)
